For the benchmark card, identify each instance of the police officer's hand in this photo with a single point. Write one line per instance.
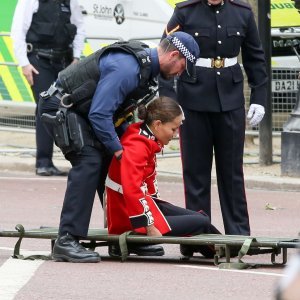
(28, 72)
(153, 231)
(255, 114)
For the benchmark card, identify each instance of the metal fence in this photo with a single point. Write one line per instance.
(284, 102)
(17, 116)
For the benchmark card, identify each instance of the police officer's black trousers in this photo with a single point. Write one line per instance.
(87, 175)
(224, 133)
(48, 72)
(185, 222)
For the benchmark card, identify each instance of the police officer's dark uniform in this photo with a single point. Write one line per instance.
(114, 78)
(214, 103)
(49, 49)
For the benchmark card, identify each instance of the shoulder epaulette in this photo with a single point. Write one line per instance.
(187, 3)
(240, 3)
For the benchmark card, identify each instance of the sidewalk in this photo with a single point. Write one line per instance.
(17, 154)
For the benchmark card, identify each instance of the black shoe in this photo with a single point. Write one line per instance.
(186, 250)
(234, 251)
(50, 171)
(137, 249)
(114, 251)
(146, 250)
(67, 248)
(206, 250)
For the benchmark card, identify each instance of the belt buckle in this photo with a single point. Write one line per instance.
(217, 63)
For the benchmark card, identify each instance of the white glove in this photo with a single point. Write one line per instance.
(255, 114)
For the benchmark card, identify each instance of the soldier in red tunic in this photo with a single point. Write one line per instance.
(133, 201)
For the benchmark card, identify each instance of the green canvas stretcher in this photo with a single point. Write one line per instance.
(223, 244)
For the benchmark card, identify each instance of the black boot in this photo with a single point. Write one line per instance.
(206, 250)
(67, 248)
(50, 171)
(138, 249)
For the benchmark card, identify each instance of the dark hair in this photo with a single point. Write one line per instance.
(164, 109)
(167, 46)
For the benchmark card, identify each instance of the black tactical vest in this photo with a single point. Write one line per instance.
(50, 27)
(76, 75)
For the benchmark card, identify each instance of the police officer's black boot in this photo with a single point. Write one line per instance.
(67, 248)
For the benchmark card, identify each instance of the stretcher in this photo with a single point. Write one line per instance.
(223, 244)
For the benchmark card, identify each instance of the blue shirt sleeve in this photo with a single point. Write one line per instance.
(119, 77)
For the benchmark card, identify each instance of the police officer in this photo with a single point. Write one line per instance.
(213, 103)
(48, 35)
(120, 72)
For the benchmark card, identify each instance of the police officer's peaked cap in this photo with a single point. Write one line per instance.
(187, 46)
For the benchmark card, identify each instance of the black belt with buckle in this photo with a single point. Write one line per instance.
(51, 54)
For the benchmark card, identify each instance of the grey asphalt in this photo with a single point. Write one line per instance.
(34, 201)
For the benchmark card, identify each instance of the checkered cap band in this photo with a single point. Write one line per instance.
(183, 49)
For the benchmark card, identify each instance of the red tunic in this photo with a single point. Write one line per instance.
(135, 207)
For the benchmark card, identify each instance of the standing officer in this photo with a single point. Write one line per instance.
(111, 79)
(48, 35)
(214, 103)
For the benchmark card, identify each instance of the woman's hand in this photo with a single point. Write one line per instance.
(153, 231)
(118, 154)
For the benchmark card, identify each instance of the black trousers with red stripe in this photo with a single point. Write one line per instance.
(222, 133)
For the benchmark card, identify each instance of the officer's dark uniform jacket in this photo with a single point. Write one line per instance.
(221, 32)
(87, 70)
(80, 80)
(51, 27)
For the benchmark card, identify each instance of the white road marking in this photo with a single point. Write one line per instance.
(234, 271)
(14, 274)
(34, 178)
(6, 248)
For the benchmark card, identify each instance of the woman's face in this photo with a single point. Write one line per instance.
(165, 132)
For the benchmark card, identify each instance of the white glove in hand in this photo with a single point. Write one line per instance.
(255, 114)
